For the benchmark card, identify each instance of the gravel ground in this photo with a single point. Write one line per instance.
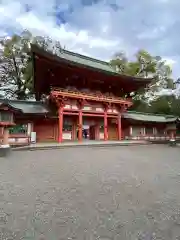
(104, 194)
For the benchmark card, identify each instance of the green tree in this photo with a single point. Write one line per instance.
(16, 63)
(161, 105)
(143, 66)
(175, 105)
(120, 62)
(146, 66)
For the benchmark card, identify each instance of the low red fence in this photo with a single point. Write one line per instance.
(17, 139)
(152, 137)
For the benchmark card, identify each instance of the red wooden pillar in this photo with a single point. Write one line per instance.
(6, 136)
(105, 125)
(60, 114)
(119, 128)
(80, 123)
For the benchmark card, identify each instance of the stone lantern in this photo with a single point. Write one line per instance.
(6, 121)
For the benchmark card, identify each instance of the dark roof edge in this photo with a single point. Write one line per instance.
(24, 101)
(37, 50)
(9, 103)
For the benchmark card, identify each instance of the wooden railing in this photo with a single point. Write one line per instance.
(89, 96)
(17, 139)
(151, 137)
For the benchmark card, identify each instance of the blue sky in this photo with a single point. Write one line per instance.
(100, 28)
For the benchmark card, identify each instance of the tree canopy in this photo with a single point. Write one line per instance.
(159, 96)
(16, 63)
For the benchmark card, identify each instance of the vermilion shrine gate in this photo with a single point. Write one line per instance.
(83, 91)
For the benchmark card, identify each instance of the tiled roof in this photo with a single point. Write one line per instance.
(147, 117)
(75, 58)
(27, 107)
(87, 61)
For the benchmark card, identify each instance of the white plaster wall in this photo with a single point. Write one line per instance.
(101, 135)
(67, 136)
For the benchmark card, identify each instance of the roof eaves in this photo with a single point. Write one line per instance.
(146, 113)
(9, 105)
(15, 104)
(149, 117)
(38, 50)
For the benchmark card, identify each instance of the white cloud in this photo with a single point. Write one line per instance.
(152, 33)
(42, 21)
(100, 29)
(169, 61)
(3, 34)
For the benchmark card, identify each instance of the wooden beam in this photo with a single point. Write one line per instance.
(60, 114)
(76, 95)
(119, 127)
(80, 123)
(105, 125)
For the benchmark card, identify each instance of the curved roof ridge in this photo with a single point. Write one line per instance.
(106, 67)
(85, 57)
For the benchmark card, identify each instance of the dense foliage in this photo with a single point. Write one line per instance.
(161, 96)
(16, 63)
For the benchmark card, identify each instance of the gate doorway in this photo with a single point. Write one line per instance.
(92, 133)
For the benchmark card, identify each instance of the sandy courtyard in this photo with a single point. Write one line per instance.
(115, 193)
